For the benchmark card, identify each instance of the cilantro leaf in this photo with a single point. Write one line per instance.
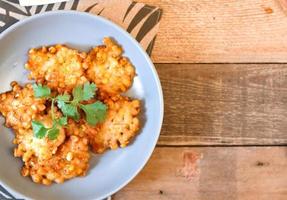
(89, 91)
(95, 112)
(53, 133)
(63, 121)
(64, 97)
(41, 91)
(78, 94)
(61, 105)
(84, 93)
(39, 129)
(69, 110)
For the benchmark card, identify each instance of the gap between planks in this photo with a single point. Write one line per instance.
(224, 104)
(211, 173)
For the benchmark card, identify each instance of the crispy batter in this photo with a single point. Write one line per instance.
(71, 160)
(112, 72)
(62, 69)
(76, 128)
(29, 145)
(59, 67)
(118, 129)
(20, 107)
(120, 126)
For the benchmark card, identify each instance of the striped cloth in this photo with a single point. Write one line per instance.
(139, 19)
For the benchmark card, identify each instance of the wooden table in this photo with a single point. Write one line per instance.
(222, 65)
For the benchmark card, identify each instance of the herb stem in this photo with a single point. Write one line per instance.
(69, 106)
(53, 115)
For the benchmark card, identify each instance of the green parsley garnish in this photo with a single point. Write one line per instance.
(40, 131)
(41, 91)
(94, 112)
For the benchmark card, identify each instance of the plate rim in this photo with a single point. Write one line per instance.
(147, 58)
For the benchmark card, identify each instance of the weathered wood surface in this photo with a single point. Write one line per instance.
(223, 173)
(221, 31)
(234, 104)
(219, 104)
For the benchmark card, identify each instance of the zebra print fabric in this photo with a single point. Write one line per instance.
(140, 20)
(5, 195)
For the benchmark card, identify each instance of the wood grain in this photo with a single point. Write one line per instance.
(204, 31)
(231, 104)
(223, 173)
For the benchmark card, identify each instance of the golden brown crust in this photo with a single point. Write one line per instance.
(106, 66)
(75, 128)
(29, 145)
(119, 127)
(59, 67)
(62, 69)
(20, 107)
(71, 160)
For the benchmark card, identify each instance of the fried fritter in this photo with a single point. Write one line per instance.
(29, 145)
(62, 69)
(20, 107)
(106, 66)
(76, 128)
(120, 126)
(59, 67)
(71, 160)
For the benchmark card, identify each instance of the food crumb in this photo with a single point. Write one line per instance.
(261, 164)
(268, 10)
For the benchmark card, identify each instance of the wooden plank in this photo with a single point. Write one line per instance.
(221, 173)
(205, 31)
(236, 104)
